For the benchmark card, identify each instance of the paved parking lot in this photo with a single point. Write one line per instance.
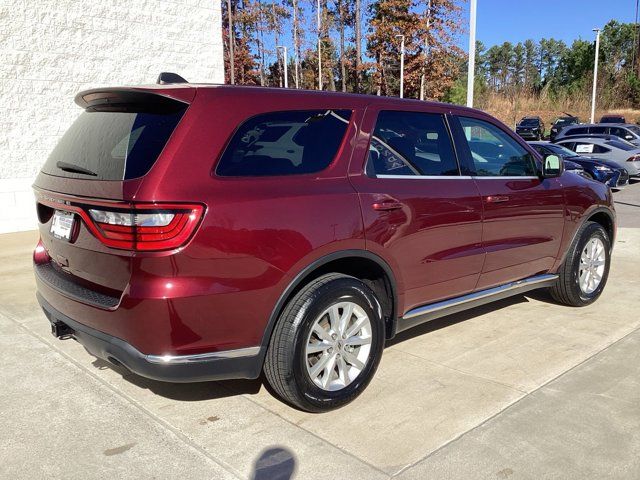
(521, 389)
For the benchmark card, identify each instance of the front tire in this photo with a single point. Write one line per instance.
(584, 273)
(327, 344)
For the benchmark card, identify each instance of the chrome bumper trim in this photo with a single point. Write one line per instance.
(203, 357)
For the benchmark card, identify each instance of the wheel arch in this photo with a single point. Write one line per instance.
(601, 215)
(362, 264)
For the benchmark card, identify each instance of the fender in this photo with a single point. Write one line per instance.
(273, 318)
(585, 218)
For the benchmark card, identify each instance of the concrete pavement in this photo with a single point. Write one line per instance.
(523, 388)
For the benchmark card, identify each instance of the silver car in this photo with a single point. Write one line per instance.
(625, 131)
(625, 154)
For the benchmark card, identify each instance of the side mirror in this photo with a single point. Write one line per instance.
(552, 166)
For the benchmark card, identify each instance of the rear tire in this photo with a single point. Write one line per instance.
(584, 272)
(327, 344)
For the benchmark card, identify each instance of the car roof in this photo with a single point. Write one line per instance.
(174, 91)
(596, 139)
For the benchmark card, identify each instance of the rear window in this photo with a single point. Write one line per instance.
(112, 145)
(285, 143)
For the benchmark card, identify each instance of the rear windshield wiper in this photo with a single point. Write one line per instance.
(70, 167)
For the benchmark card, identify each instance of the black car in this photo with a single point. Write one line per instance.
(560, 123)
(530, 128)
(612, 119)
(604, 171)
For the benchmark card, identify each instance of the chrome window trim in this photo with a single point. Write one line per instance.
(512, 177)
(427, 177)
(203, 357)
(458, 177)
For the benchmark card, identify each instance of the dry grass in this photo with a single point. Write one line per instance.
(510, 111)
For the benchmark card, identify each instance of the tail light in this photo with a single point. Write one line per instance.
(635, 158)
(144, 227)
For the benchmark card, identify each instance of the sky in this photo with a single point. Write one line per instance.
(514, 21)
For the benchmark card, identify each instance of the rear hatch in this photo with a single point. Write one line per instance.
(90, 222)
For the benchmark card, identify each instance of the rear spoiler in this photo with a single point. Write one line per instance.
(135, 99)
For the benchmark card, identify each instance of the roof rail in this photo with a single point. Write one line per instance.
(169, 77)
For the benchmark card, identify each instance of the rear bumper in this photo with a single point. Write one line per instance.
(528, 134)
(220, 365)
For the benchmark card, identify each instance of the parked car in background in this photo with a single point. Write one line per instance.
(530, 128)
(560, 123)
(606, 147)
(605, 171)
(630, 133)
(184, 238)
(572, 167)
(612, 119)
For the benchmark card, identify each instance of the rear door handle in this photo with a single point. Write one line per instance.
(496, 198)
(387, 205)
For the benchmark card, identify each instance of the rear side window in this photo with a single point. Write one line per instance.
(598, 130)
(576, 131)
(411, 143)
(113, 145)
(584, 147)
(285, 143)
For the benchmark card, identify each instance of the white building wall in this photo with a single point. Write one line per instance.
(52, 49)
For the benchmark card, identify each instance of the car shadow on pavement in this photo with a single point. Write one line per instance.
(449, 320)
(186, 392)
(203, 391)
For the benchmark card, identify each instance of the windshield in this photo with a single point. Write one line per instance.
(111, 145)
(634, 129)
(529, 122)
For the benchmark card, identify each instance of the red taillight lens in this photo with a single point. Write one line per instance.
(145, 228)
(635, 158)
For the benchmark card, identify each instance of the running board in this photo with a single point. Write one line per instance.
(433, 311)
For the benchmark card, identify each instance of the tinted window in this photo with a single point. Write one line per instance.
(576, 131)
(568, 145)
(598, 130)
(541, 150)
(561, 150)
(494, 152)
(112, 145)
(411, 143)
(529, 122)
(285, 143)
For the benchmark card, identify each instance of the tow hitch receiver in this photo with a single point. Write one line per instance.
(61, 330)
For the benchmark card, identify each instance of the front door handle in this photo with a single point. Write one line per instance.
(387, 205)
(496, 198)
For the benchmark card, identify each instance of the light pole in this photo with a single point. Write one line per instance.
(286, 74)
(319, 51)
(472, 53)
(595, 75)
(401, 37)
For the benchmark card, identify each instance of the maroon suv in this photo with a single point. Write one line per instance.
(201, 232)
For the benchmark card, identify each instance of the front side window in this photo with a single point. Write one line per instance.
(494, 152)
(285, 143)
(411, 143)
